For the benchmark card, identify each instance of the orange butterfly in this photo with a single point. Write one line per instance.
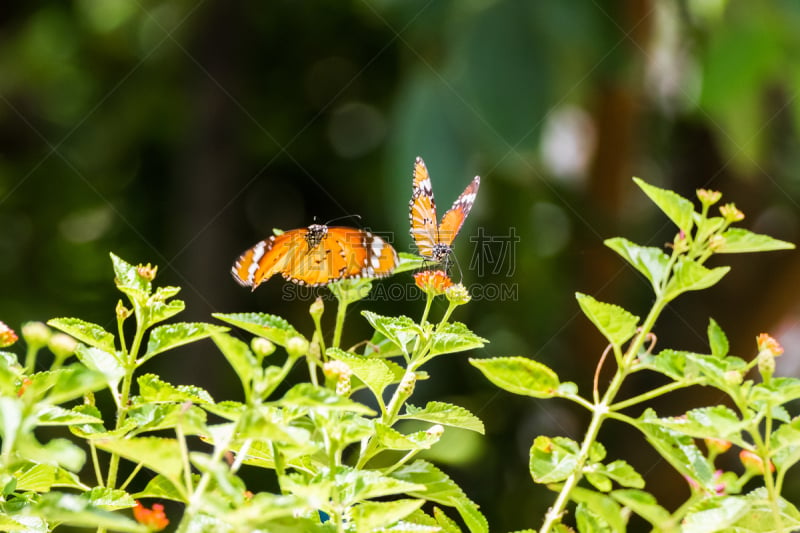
(315, 256)
(434, 242)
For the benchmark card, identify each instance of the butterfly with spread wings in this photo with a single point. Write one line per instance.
(314, 256)
(434, 241)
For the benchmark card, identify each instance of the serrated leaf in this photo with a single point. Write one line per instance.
(708, 422)
(441, 489)
(738, 240)
(519, 375)
(128, 280)
(160, 487)
(615, 323)
(454, 337)
(271, 327)
(77, 511)
(676, 448)
(106, 363)
(445, 414)
(67, 383)
(157, 416)
(602, 506)
(643, 504)
(716, 515)
(717, 339)
(153, 389)
(374, 373)
(109, 499)
(692, 276)
(160, 310)
(43, 477)
(238, 355)
(169, 336)
(359, 485)
(778, 391)
(372, 516)
(623, 473)
(400, 330)
(785, 444)
(306, 396)
(676, 207)
(162, 456)
(391, 439)
(552, 459)
(60, 452)
(649, 261)
(53, 415)
(86, 332)
(588, 521)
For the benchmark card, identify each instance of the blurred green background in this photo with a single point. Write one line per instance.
(181, 132)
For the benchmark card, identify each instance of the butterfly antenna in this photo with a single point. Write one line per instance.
(455, 262)
(342, 218)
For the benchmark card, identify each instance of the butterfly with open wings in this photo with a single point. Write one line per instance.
(434, 241)
(316, 255)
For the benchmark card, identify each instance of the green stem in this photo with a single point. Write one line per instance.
(341, 312)
(654, 393)
(30, 358)
(600, 412)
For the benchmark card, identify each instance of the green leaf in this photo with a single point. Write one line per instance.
(454, 337)
(271, 327)
(716, 515)
(160, 487)
(163, 456)
(392, 439)
(760, 515)
(445, 414)
(86, 332)
(170, 336)
(153, 389)
(400, 330)
(239, 357)
(622, 473)
(373, 516)
(374, 373)
(60, 452)
(52, 415)
(67, 383)
(778, 391)
(359, 485)
(109, 499)
(107, 363)
(615, 323)
(43, 477)
(785, 445)
(160, 310)
(519, 375)
(441, 489)
(738, 240)
(718, 422)
(128, 280)
(306, 396)
(603, 507)
(676, 448)
(77, 511)
(588, 521)
(643, 504)
(676, 207)
(553, 459)
(717, 339)
(692, 276)
(157, 416)
(649, 261)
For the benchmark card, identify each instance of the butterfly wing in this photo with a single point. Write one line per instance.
(422, 211)
(277, 253)
(315, 256)
(454, 218)
(357, 253)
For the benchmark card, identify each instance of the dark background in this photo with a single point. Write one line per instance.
(180, 132)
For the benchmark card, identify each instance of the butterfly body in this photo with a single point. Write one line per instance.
(434, 241)
(316, 255)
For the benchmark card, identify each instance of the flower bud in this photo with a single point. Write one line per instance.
(730, 213)
(36, 334)
(435, 431)
(62, 345)
(717, 446)
(716, 243)
(733, 377)
(333, 369)
(458, 294)
(147, 272)
(7, 336)
(708, 197)
(261, 347)
(406, 386)
(766, 364)
(317, 308)
(297, 346)
(767, 343)
(122, 311)
(753, 463)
